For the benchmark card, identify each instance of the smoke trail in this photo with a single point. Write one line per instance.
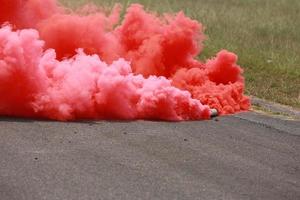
(67, 65)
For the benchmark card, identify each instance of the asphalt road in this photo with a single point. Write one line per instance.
(247, 156)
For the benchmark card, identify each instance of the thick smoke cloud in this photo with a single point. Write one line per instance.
(86, 64)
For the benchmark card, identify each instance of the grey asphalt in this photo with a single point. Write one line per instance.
(246, 156)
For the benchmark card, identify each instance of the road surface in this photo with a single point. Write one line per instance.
(246, 156)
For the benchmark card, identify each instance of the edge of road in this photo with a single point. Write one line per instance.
(272, 108)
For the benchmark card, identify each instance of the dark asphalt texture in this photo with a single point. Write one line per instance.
(246, 156)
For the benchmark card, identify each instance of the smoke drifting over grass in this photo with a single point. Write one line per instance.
(65, 65)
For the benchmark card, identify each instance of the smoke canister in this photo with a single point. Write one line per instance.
(214, 113)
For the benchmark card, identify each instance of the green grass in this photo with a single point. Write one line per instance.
(264, 33)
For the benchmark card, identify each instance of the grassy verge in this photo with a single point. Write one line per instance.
(265, 35)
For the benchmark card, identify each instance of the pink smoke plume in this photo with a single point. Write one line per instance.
(67, 65)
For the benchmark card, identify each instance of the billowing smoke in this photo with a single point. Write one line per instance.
(61, 64)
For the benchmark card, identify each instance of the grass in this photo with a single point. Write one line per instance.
(265, 35)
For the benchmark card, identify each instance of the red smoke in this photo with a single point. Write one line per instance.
(65, 65)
